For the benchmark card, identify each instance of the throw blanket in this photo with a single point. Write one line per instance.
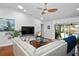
(71, 42)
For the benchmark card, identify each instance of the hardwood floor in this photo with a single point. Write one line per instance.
(6, 51)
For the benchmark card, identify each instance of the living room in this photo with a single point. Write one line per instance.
(20, 17)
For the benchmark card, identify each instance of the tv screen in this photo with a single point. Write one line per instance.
(27, 30)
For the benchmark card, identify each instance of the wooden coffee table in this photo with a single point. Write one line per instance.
(37, 44)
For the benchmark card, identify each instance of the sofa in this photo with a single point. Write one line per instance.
(56, 48)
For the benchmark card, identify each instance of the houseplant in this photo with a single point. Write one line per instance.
(14, 34)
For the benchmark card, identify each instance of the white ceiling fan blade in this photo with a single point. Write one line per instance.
(40, 8)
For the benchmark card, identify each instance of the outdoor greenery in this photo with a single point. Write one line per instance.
(8, 27)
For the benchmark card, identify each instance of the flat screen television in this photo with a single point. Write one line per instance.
(27, 30)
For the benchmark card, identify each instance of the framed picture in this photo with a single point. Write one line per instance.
(7, 24)
(48, 27)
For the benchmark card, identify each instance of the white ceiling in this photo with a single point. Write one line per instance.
(65, 10)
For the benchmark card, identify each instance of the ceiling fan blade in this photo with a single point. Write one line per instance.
(40, 8)
(52, 10)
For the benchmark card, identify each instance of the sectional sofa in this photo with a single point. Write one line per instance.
(56, 48)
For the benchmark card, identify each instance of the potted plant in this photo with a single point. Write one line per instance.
(15, 34)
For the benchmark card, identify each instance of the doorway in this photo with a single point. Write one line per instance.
(65, 30)
(42, 29)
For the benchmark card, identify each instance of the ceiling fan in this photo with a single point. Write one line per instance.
(47, 10)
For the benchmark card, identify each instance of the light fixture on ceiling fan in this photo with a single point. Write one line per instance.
(47, 10)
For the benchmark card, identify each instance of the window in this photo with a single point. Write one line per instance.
(65, 30)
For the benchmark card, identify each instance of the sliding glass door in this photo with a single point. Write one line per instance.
(65, 30)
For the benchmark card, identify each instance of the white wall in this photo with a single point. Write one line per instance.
(51, 32)
(48, 33)
(20, 18)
